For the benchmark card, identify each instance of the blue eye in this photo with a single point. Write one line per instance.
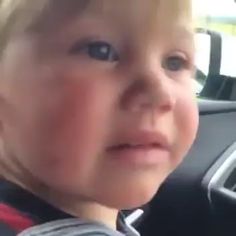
(175, 63)
(98, 50)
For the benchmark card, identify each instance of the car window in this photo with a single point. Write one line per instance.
(215, 46)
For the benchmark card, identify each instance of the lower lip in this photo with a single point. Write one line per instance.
(140, 156)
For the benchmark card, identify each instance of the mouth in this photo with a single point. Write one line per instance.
(141, 148)
(135, 146)
(141, 139)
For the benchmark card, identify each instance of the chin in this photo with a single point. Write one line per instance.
(129, 191)
(130, 199)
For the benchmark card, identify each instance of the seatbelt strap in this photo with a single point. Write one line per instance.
(215, 50)
(216, 53)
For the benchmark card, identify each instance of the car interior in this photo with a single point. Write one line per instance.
(199, 198)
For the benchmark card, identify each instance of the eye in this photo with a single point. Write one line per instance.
(98, 50)
(175, 63)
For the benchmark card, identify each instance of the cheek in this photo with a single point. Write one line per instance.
(76, 125)
(187, 119)
(67, 129)
(81, 118)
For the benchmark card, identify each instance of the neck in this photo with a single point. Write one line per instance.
(87, 210)
(84, 209)
(75, 206)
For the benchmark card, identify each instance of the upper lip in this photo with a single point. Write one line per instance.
(142, 139)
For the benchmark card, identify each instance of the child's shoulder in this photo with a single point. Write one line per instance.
(12, 221)
(6, 230)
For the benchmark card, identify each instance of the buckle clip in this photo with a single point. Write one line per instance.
(131, 219)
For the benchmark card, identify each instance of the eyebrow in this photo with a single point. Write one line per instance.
(57, 11)
(182, 35)
(184, 32)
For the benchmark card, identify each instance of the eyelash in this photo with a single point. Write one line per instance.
(97, 50)
(184, 63)
(104, 51)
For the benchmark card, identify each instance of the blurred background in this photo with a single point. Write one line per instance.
(219, 15)
(215, 49)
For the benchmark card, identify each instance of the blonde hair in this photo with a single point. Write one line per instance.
(29, 15)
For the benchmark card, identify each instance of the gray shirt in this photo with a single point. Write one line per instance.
(75, 227)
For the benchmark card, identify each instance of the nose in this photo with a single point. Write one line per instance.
(150, 88)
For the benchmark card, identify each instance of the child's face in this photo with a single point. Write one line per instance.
(102, 108)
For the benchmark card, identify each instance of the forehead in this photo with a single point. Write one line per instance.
(142, 16)
(144, 13)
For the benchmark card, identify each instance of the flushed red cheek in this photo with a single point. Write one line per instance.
(186, 119)
(189, 116)
(77, 126)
